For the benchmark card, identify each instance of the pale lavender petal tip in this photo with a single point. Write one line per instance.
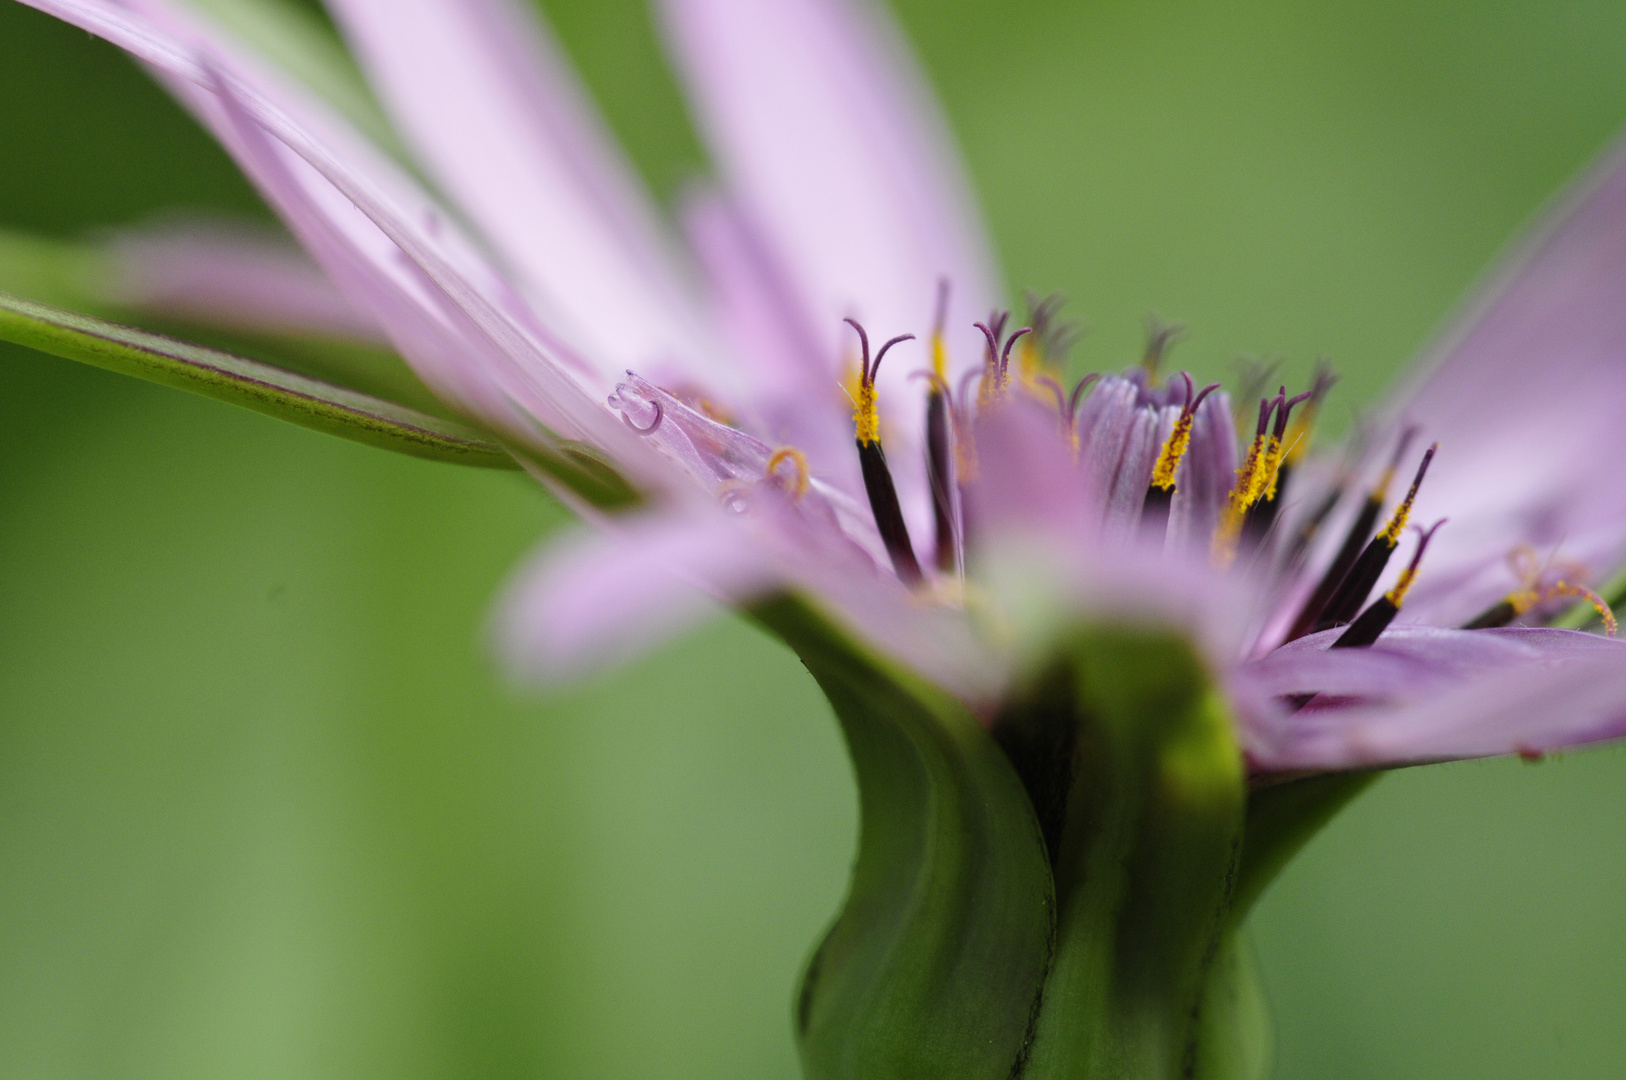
(596, 599)
(224, 274)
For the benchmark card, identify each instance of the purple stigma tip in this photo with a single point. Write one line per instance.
(875, 367)
(993, 340)
(1423, 537)
(1078, 393)
(1266, 407)
(1005, 357)
(1202, 395)
(863, 341)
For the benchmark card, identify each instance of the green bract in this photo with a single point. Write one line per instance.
(935, 965)
(1057, 896)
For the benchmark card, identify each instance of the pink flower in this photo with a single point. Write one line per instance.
(543, 296)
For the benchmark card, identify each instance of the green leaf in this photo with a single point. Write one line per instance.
(933, 968)
(1127, 748)
(83, 276)
(248, 383)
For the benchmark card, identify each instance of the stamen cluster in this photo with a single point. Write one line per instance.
(1135, 437)
(1158, 462)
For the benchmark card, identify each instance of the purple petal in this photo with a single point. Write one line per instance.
(600, 598)
(219, 274)
(1043, 560)
(714, 454)
(1026, 477)
(1525, 396)
(1206, 475)
(595, 600)
(794, 398)
(822, 129)
(491, 107)
(1434, 695)
(1104, 422)
(388, 246)
(1147, 432)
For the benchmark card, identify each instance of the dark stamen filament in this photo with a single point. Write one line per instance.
(1354, 541)
(939, 449)
(1376, 618)
(1357, 584)
(1498, 614)
(1262, 514)
(1154, 515)
(878, 485)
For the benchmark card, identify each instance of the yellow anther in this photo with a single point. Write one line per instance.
(1174, 448)
(1249, 483)
(1564, 588)
(1522, 600)
(861, 386)
(940, 356)
(865, 419)
(988, 388)
(1397, 595)
(798, 485)
(1270, 465)
(1397, 523)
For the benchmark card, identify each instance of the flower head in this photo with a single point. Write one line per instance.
(936, 520)
(1080, 637)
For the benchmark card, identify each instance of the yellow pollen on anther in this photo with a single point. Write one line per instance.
(1522, 600)
(940, 357)
(1397, 595)
(991, 389)
(1249, 483)
(865, 419)
(1397, 524)
(798, 486)
(1270, 464)
(1174, 448)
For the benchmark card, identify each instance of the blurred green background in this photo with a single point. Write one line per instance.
(267, 811)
